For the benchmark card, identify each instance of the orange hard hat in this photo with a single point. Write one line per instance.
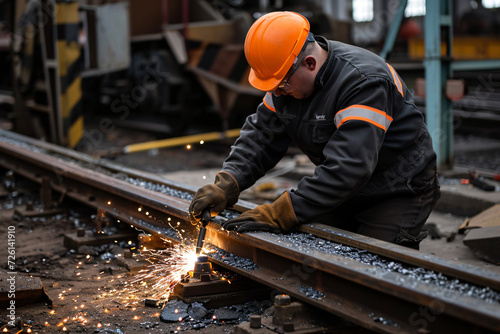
(272, 45)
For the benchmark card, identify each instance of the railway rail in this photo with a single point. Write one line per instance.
(377, 285)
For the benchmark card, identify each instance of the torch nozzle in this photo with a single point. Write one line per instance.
(205, 218)
(201, 238)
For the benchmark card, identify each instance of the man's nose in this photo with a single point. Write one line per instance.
(279, 91)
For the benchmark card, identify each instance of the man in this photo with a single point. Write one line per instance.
(352, 115)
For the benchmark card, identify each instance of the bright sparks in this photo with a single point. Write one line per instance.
(157, 281)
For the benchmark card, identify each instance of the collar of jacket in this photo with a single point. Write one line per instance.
(325, 70)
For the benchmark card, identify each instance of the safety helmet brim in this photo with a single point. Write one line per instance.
(262, 84)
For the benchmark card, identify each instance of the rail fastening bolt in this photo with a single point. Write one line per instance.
(282, 300)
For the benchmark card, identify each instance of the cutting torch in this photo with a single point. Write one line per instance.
(205, 218)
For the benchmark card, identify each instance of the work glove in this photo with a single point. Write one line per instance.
(276, 217)
(215, 197)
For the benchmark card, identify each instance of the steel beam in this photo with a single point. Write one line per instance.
(476, 65)
(393, 30)
(439, 115)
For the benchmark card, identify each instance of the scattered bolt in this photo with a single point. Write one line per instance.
(255, 321)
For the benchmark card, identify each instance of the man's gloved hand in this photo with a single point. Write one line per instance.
(224, 192)
(276, 217)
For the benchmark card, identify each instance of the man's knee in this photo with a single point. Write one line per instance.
(404, 238)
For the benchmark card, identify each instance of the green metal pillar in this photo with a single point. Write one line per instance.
(439, 113)
(393, 30)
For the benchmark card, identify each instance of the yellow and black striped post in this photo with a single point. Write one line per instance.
(69, 105)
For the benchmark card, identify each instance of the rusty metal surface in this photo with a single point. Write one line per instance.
(367, 294)
(111, 168)
(215, 286)
(116, 197)
(378, 299)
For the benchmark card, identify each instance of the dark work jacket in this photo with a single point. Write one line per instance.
(360, 128)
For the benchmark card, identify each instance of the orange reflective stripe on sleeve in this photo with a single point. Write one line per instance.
(363, 113)
(268, 101)
(397, 81)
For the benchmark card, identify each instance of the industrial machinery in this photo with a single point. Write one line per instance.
(161, 65)
(155, 64)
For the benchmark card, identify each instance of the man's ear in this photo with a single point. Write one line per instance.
(310, 62)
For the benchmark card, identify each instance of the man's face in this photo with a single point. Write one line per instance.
(296, 83)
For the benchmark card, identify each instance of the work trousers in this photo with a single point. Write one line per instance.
(394, 217)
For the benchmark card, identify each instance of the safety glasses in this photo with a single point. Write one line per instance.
(296, 63)
(285, 83)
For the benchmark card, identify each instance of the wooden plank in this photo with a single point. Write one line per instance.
(489, 217)
(485, 242)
